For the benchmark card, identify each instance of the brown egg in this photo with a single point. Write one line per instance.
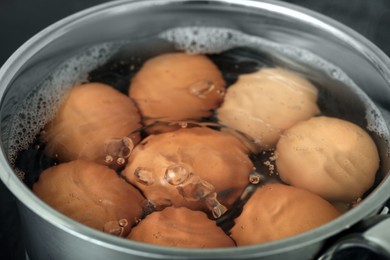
(342, 207)
(186, 167)
(180, 227)
(177, 86)
(331, 157)
(277, 211)
(263, 104)
(92, 120)
(91, 194)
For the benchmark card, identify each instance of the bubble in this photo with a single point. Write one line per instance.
(183, 124)
(195, 189)
(108, 159)
(221, 92)
(119, 147)
(216, 208)
(121, 161)
(144, 176)
(177, 174)
(270, 166)
(123, 222)
(201, 88)
(254, 178)
(117, 228)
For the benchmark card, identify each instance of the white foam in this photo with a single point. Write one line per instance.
(204, 40)
(41, 104)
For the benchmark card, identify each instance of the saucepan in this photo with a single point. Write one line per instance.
(351, 68)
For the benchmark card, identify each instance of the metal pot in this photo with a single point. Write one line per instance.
(51, 235)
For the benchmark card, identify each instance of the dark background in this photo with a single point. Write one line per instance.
(21, 19)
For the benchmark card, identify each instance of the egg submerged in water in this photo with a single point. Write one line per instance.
(277, 211)
(180, 227)
(331, 157)
(92, 120)
(198, 168)
(177, 87)
(91, 194)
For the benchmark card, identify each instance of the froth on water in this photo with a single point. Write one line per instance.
(40, 105)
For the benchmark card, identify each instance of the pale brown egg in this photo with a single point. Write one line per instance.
(180, 227)
(91, 194)
(177, 86)
(277, 211)
(187, 166)
(331, 157)
(264, 103)
(90, 123)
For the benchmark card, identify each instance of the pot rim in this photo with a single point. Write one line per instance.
(24, 195)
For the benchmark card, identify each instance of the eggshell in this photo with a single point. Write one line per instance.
(92, 194)
(331, 157)
(264, 103)
(276, 211)
(177, 86)
(89, 118)
(218, 159)
(180, 227)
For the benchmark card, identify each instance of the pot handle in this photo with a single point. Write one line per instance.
(370, 239)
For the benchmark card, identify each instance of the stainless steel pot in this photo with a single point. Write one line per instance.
(50, 235)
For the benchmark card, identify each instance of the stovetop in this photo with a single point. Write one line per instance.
(21, 19)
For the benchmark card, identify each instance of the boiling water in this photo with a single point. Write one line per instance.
(233, 52)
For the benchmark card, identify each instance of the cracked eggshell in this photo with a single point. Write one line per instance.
(277, 211)
(331, 157)
(264, 103)
(177, 86)
(91, 194)
(216, 157)
(180, 227)
(90, 116)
